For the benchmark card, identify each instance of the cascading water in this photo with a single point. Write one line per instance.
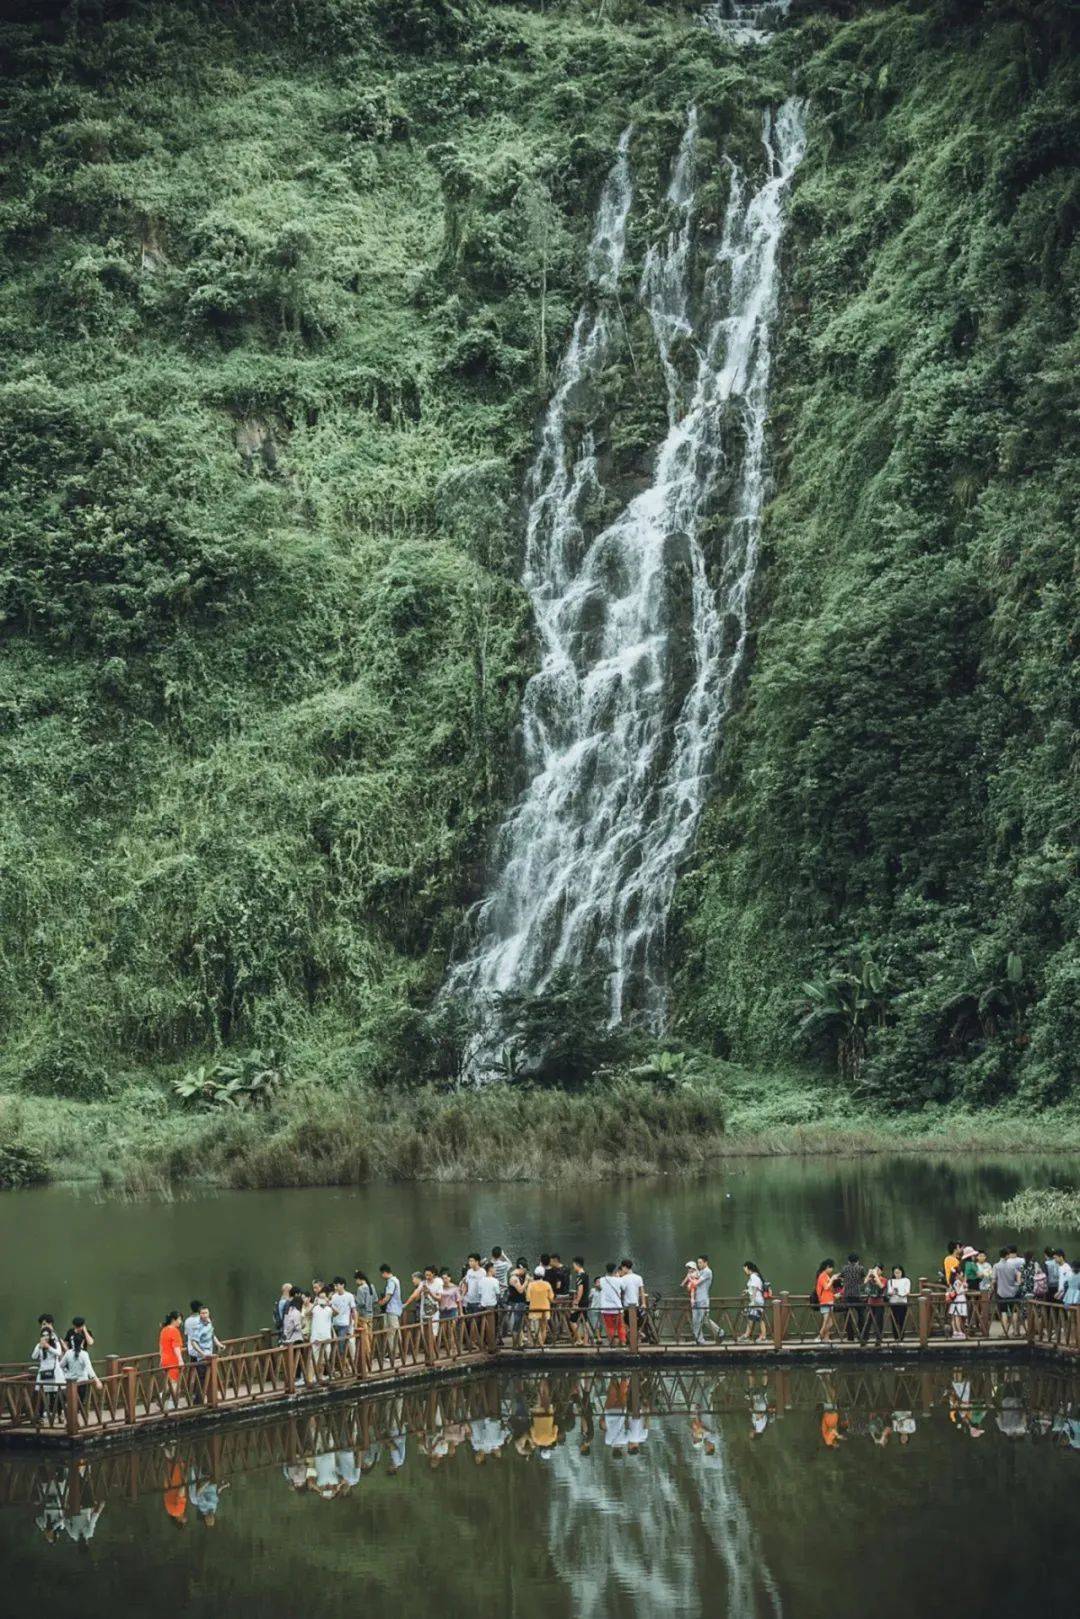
(745, 22)
(639, 649)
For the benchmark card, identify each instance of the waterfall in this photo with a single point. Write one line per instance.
(640, 647)
(745, 22)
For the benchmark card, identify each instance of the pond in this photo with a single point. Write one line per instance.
(890, 1490)
(122, 1266)
(748, 1492)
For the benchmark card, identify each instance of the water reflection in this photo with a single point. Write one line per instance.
(632, 1469)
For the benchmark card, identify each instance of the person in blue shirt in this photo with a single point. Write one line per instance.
(201, 1343)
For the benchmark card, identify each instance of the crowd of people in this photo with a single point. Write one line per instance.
(858, 1301)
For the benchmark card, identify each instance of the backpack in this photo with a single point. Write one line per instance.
(766, 1289)
(1040, 1289)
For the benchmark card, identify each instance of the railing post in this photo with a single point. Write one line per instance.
(780, 1311)
(632, 1329)
(211, 1381)
(363, 1352)
(925, 1308)
(428, 1332)
(71, 1395)
(130, 1395)
(112, 1365)
(1029, 1323)
(290, 1368)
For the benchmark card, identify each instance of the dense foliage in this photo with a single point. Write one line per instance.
(283, 287)
(896, 824)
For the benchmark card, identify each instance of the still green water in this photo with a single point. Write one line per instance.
(122, 1266)
(748, 1493)
(945, 1490)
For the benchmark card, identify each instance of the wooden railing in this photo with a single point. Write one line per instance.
(136, 1390)
(655, 1387)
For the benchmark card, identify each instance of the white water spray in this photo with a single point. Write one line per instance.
(640, 648)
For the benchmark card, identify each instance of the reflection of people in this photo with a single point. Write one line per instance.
(175, 1494)
(50, 1520)
(543, 1429)
(830, 1427)
(903, 1426)
(204, 1493)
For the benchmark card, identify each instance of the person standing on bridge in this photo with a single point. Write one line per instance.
(201, 1344)
(391, 1306)
(755, 1303)
(171, 1348)
(78, 1369)
(490, 1291)
(898, 1292)
(825, 1297)
(612, 1303)
(50, 1379)
(364, 1294)
(579, 1300)
(281, 1306)
(540, 1299)
(700, 1302)
(322, 1332)
(343, 1305)
(473, 1273)
(851, 1282)
(633, 1286)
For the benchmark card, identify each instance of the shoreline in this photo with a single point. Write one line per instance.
(142, 1146)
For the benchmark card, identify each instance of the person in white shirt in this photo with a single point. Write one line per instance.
(472, 1279)
(48, 1352)
(755, 1303)
(502, 1268)
(488, 1289)
(897, 1294)
(322, 1332)
(611, 1304)
(637, 1432)
(343, 1304)
(1064, 1275)
(76, 1367)
(634, 1298)
(427, 1292)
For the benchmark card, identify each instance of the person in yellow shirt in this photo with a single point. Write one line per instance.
(540, 1298)
(950, 1262)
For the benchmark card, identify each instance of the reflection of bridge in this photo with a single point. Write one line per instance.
(137, 1395)
(1027, 1399)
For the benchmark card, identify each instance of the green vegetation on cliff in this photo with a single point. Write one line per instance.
(897, 815)
(283, 288)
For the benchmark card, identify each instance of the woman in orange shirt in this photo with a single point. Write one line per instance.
(825, 1293)
(171, 1347)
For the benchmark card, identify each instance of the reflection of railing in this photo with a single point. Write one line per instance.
(136, 1391)
(860, 1391)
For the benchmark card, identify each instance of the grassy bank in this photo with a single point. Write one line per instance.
(1038, 1207)
(143, 1144)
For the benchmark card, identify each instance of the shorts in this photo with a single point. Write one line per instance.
(754, 1313)
(826, 1309)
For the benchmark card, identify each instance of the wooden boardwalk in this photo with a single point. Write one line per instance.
(255, 1374)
